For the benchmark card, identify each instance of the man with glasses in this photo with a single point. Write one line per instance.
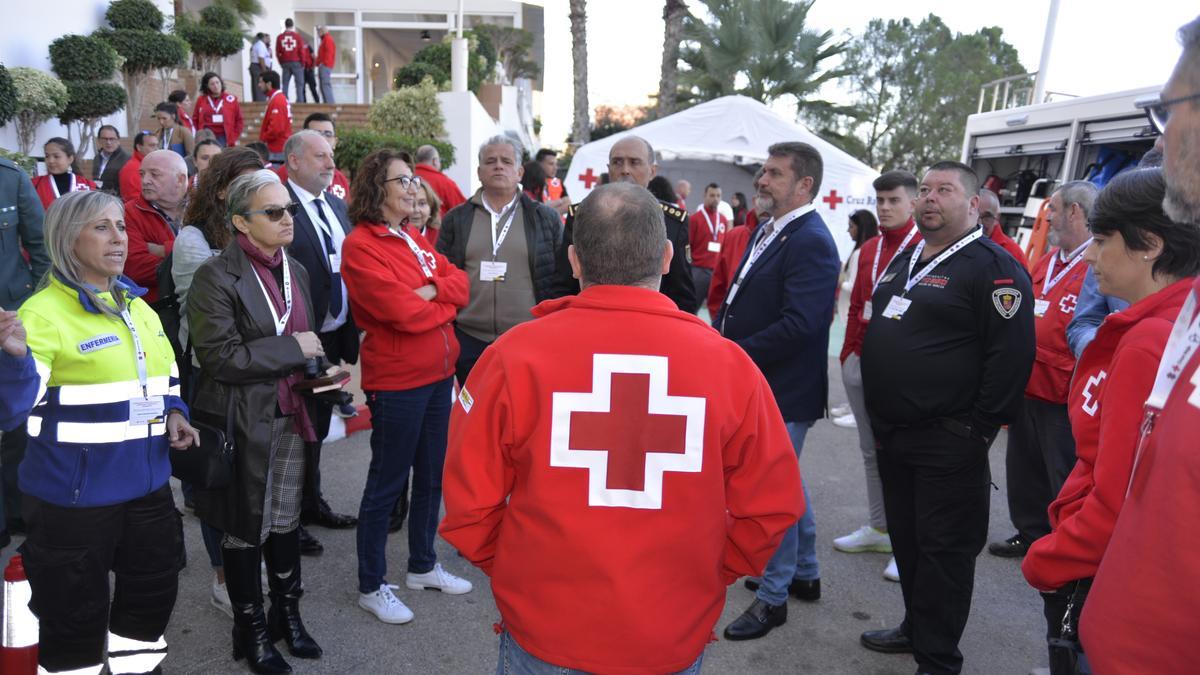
(106, 165)
(989, 220)
(323, 125)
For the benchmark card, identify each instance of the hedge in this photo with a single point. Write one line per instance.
(8, 97)
(82, 57)
(145, 51)
(91, 99)
(410, 111)
(355, 144)
(134, 15)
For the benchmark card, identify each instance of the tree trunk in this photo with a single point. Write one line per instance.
(673, 13)
(581, 129)
(134, 86)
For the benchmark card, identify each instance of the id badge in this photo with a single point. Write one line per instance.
(99, 184)
(335, 262)
(492, 270)
(218, 118)
(866, 313)
(145, 410)
(714, 247)
(896, 308)
(1040, 307)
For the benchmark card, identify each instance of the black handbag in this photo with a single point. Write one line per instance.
(209, 466)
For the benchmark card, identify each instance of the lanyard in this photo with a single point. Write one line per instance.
(280, 321)
(765, 242)
(875, 266)
(168, 134)
(137, 348)
(216, 107)
(1076, 257)
(941, 258)
(498, 239)
(54, 185)
(416, 249)
(1184, 340)
(715, 229)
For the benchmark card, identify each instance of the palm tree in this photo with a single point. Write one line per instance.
(674, 12)
(581, 128)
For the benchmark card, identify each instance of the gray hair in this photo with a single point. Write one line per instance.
(65, 219)
(620, 236)
(242, 190)
(171, 159)
(1078, 192)
(427, 153)
(987, 194)
(501, 139)
(295, 142)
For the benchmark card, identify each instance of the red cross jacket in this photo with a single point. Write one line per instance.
(410, 342)
(1111, 383)
(1052, 368)
(864, 285)
(222, 114)
(700, 237)
(1140, 616)
(44, 185)
(613, 486)
(277, 122)
(1006, 242)
(143, 225)
(732, 250)
(289, 46)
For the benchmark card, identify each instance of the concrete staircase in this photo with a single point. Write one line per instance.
(345, 116)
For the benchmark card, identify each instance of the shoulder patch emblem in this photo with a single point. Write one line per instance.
(687, 250)
(464, 398)
(1007, 301)
(673, 211)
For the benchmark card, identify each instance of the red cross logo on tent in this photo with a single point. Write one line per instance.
(588, 177)
(627, 432)
(832, 200)
(288, 43)
(337, 190)
(1068, 302)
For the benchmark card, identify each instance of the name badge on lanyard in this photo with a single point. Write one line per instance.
(217, 117)
(144, 409)
(899, 304)
(494, 270)
(1041, 306)
(714, 246)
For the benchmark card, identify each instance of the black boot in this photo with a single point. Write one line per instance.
(282, 552)
(250, 637)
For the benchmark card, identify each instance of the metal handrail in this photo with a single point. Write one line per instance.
(1005, 95)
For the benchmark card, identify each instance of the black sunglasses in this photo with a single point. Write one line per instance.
(275, 214)
(1159, 111)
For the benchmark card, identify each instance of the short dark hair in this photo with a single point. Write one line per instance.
(967, 178)
(368, 189)
(207, 78)
(711, 186)
(110, 128)
(806, 161)
(319, 117)
(660, 187)
(868, 226)
(288, 23)
(270, 77)
(896, 178)
(63, 144)
(169, 108)
(544, 152)
(264, 153)
(620, 236)
(139, 137)
(177, 96)
(201, 144)
(1131, 204)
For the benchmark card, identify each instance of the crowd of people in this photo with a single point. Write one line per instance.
(541, 367)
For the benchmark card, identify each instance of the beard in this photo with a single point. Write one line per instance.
(1180, 205)
(1181, 172)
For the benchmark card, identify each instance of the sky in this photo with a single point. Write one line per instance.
(1100, 46)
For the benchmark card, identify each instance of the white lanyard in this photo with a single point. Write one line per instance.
(168, 134)
(216, 107)
(1076, 257)
(715, 229)
(54, 185)
(765, 242)
(416, 249)
(941, 258)
(280, 321)
(875, 266)
(143, 379)
(1184, 340)
(498, 239)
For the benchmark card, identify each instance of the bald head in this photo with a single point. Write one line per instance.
(989, 210)
(631, 160)
(427, 154)
(683, 189)
(620, 238)
(164, 178)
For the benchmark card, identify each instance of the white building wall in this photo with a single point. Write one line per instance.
(468, 125)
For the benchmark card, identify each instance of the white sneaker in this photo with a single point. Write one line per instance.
(438, 579)
(863, 540)
(839, 410)
(385, 606)
(220, 598)
(846, 421)
(892, 573)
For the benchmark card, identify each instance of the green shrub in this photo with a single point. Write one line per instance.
(22, 160)
(410, 111)
(39, 97)
(435, 60)
(412, 75)
(134, 15)
(145, 51)
(82, 57)
(212, 38)
(8, 97)
(219, 16)
(91, 100)
(356, 144)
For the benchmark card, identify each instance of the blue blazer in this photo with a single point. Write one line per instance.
(781, 315)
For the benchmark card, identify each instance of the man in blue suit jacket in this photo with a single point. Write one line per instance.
(322, 224)
(779, 309)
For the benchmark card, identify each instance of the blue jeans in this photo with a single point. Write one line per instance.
(796, 557)
(517, 661)
(408, 433)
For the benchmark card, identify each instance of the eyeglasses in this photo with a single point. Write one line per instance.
(1159, 111)
(987, 218)
(406, 182)
(275, 213)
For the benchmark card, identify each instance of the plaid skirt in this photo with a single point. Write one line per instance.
(285, 483)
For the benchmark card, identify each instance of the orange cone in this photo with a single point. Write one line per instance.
(19, 643)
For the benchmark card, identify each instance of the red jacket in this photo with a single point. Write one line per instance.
(223, 115)
(728, 260)
(45, 187)
(1008, 244)
(130, 177)
(599, 562)
(700, 237)
(289, 45)
(340, 187)
(277, 122)
(445, 188)
(144, 224)
(1140, 616)
(410, 342)
(326, 51)
(1113, 379)
(864, 281)
(185, 119)
(1052, 368)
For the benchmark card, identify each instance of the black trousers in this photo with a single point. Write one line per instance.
(469, 351)
(310, 80)
(68, 555)
(935, 494)
(1040, 456)
(256, 95)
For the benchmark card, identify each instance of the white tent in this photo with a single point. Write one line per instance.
(737, 130)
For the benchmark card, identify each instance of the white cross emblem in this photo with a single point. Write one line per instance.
(1091, 402)
(1068, 302)
(337, 190)
(647, 429)
(288, 43)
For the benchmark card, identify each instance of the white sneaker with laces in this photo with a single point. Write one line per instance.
(846, 421)
(220, 598)
(839, 410)
(438, 579)
(863, 540)
(385, 605)
(892, 573)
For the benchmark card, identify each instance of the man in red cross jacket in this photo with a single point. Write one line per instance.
(643, 448)
(277, 120)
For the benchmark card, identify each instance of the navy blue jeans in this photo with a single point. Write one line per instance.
(796, 557)
(408, 433)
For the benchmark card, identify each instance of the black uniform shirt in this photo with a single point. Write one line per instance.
(962, 350)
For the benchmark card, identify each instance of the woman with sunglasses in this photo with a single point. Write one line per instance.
(61, 177)
(1139, 256)
(405, 295)
(252, 330)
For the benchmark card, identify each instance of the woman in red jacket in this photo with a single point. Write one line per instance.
(60, 167)
(404, 295)
(218, 111)
(1139, 256)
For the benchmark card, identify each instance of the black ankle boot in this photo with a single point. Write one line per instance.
(250, 637)
(282, 552)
